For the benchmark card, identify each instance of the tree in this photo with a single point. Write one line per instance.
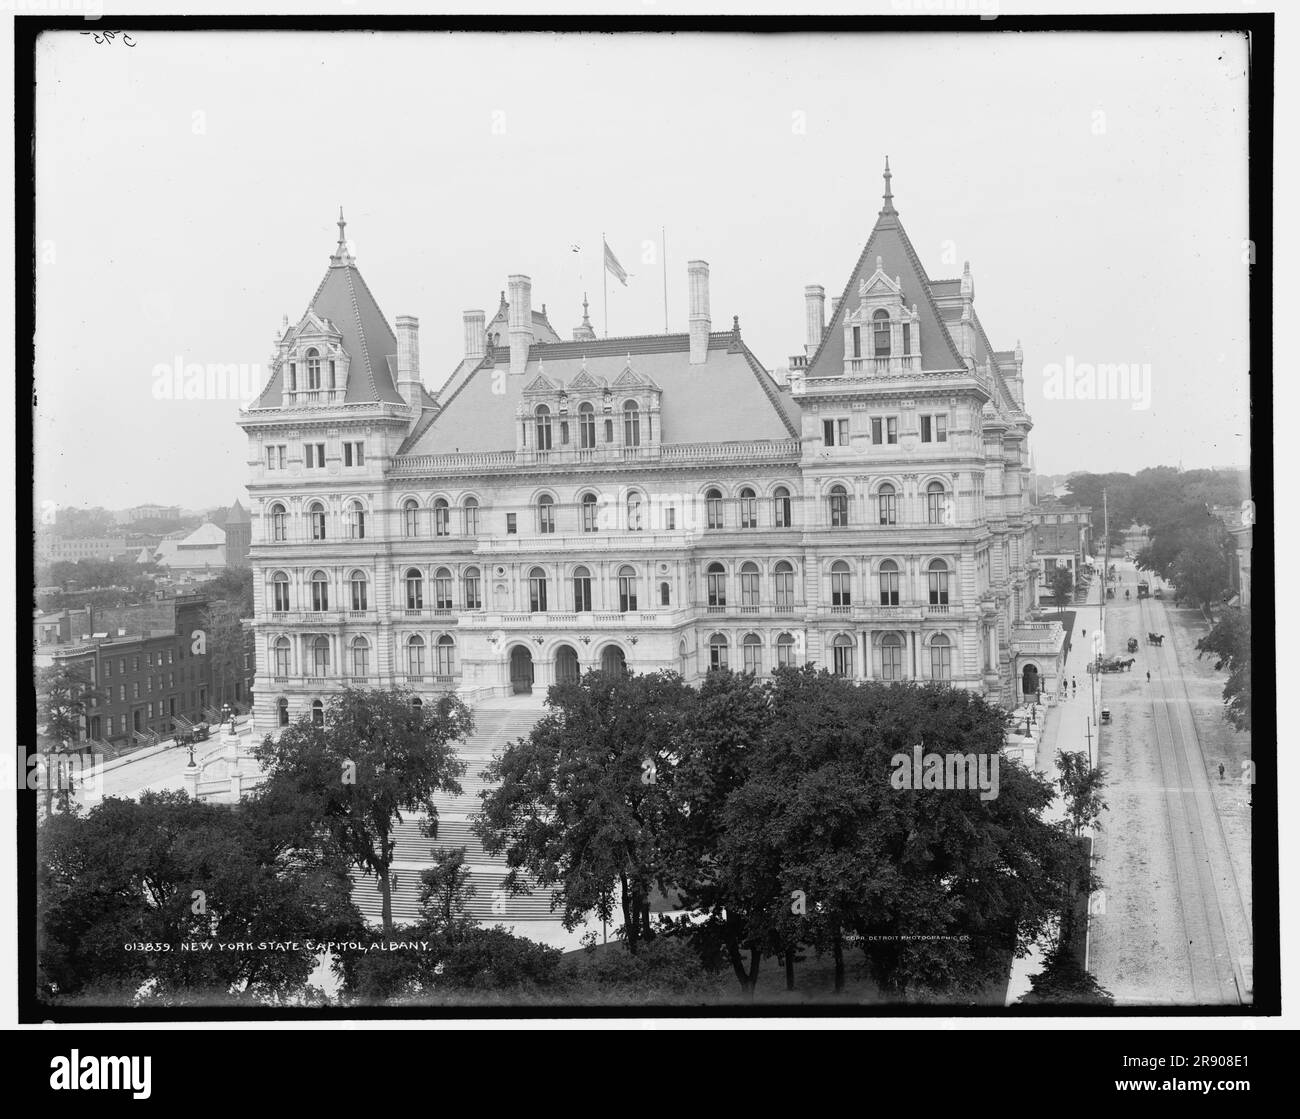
(1230, 643)
(64, 693)
(375, 757)
(445, 891)
(1081, 785)
(1200, 569)
(584, 802)
(233, 586)
(1065, 980)
(1060, 581)
(170, 871)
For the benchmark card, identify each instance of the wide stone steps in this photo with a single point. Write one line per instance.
(490, 904)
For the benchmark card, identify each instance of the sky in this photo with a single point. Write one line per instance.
(188, 189)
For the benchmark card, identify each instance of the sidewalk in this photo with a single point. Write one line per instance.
(1066, 727)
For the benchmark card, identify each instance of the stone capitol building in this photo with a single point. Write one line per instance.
(652, 502)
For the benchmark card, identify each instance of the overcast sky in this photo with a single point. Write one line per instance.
(188, 187)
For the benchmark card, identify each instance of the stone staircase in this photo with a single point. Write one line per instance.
(498, 722)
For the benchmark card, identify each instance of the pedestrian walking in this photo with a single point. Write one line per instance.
(1220, 771)
(1148, 677)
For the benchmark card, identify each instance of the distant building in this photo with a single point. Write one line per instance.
(148, 513)
(70, 549)
(1062, 538)
(1137, 537)
(239, 535)
(1240, 523)
(202, 554)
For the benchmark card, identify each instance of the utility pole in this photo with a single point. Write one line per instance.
(1088, 731)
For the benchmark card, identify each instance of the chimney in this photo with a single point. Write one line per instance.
(474, 333)
(521, 322)
(814, 298)
(697, 273)
(408, 359)
(835, 305)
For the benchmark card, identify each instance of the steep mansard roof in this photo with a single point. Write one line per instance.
(731, 397)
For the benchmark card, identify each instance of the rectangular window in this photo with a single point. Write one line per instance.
(877, 431)
(354, 454)
(907, 338)
(891, 429)
(511, 524)
(927, 434)
(828, 432)
(941, 429)
(835, 433)
(843, 432)
(670, 518)
(857, 341)
(314, 456)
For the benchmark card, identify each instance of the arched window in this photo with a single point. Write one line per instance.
(589, 507)
(626, 589)
(888, 501)
(717, 652)
(545, 514)
(785, 651)
(417, 705)
(356, 520)
(473, 589)
(936, 503)
(751, 649)
(880, 332)
(410, 517)
(441, 517)
(445, 651)
(415, 655)
(282, 712)
(841, 584)
(320, 656)
(279, 523)
(537, 590)
(839, 502)
(282, 657)
(581, 590)
(889, 583)
(471, 516)
(938, 583)
(279, 592)
(317, 713)
(713, 509)
(543, 423)
(586, 427)
(360, 657)
(842, 655)
(783, 585)
(749, 587)
(665, 595)
(360, 587)
(320, 591)
(748, 509)
(634, 511)
(781, 507)
(940, 657)
(316, 518)
(313, 370)
(716, 577)
(414, 589)
(631, 424)
(442, 589)
(891, 657)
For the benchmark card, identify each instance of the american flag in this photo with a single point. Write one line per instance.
(612, 265)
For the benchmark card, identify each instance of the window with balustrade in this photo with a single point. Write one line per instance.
(781, 507)
(316, 520)
(410, 517)
(717, 652)
(940, 657)
(936, 503)
(586, 427)
(880, 333)
(713, 509)
(414, 589)
(415, 655)
(751, 654)
(360, 657)
(841, 584)
(748, 509)
(545, 514)
(888, 577)
(470, 510)
(320, 591)
(589, 507)
(626, 589)
(280, 592)
(537, 590)
(441, 517)
(634, 511)
(360, 589)
(282, 656)
(887, 500)
(356, 519)
(473, 585)
(749, 586)
(842, 656)
(542, 422)
(891, 657)
(442, 589)
(313, 370)
(279, 524)
(581, 590)
(631, 424)
(716, 584)
(938, 572)
(839, 506)
(783, 585)
(445, 652)
(320, 656)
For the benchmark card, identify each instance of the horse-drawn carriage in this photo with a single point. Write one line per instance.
(1132, 644)
(1155, 638)
(1112, 664)
(200, 732)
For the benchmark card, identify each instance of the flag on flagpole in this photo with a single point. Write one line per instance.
(612, 264)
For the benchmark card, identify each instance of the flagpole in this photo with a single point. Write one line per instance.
(663, 241)
(604, 275)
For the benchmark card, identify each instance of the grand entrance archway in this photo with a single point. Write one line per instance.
(1029, 681)
(613, 660)
(521, 670)
(566, 665)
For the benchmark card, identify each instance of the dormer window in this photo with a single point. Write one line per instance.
(543, 417)
(631, 424)
(880, 333)
(313, 370)
(586, 427)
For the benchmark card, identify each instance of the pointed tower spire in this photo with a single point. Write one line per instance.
(341, 253)
(888, 208)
